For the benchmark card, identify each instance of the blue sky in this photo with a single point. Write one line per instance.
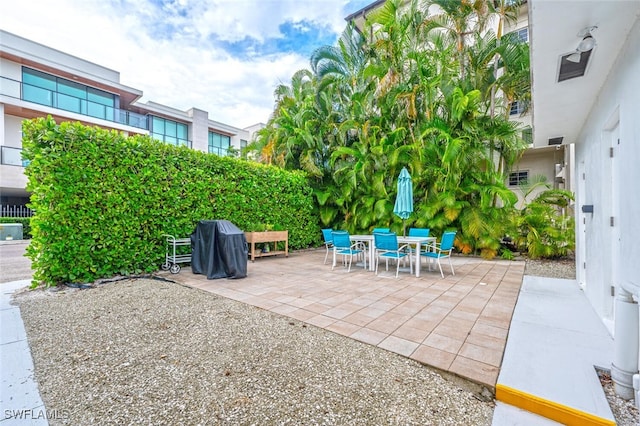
(222, 56)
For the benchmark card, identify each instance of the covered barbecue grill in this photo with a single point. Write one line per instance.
(219, 250)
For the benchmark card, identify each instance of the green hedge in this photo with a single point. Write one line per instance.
(25, 221)
(103, 200)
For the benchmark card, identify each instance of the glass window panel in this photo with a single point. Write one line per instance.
(133, 119)
(109, 113)
(158, 125)
(96, 110)
(523, 35)
(170, 128)
(100, 97)
(68, 103)
(38, 79)
(182, 131)
(72, 89)
(37, 95)
(11, 156)
(518, 178)
(158, 136)
(171, 140)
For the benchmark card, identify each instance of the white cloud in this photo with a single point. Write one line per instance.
(170, 52)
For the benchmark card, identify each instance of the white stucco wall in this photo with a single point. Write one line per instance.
(12, 131)
(10, 69)
(608, 255)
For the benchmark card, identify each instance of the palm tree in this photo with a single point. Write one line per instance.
(421, 95)
(458, 20)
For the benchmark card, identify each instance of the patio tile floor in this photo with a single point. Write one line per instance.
(458, 324)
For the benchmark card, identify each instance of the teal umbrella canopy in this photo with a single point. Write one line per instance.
(404, 199)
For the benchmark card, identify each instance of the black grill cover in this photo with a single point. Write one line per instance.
(219, 250)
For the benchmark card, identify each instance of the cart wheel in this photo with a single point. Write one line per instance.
(165, 266)
(175, 268)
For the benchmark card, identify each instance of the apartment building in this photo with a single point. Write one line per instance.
(585, 58)
(36, 81)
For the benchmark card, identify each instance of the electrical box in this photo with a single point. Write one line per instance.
(10, 231)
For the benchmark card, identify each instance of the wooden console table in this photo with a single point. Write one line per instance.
(267, 237)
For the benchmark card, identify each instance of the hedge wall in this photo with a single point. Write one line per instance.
(103, 200)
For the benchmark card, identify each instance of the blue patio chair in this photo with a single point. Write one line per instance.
(328, 241)
(419, 232)
(381, 230)
(343, 246)
(387, 247)
(442, 250)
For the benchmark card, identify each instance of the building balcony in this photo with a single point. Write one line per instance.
(11, 156)
(66, 102)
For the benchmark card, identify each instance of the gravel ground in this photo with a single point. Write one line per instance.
(154, 352)
(625, 412)
(557, 268)
(184, 356)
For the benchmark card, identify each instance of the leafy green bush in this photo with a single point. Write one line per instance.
(542, 231)
(103, 200)
(25, 221)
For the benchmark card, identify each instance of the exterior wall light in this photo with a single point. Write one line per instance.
(587, 43)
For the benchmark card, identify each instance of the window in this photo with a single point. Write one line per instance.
(243, 146)
(517, 108)
(521, 35)
(169, 131)
(219, 144)
(45, 89)
(518, 178)
(527, 135)
(38, 87)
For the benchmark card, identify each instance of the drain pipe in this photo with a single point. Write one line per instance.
(636, 388)
(625, 356)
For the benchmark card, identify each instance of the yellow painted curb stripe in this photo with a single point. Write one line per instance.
(549, 409)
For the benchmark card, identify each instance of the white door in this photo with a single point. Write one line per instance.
(614, 216)
(581, 240)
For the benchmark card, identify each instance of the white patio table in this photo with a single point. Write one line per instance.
(414, 241)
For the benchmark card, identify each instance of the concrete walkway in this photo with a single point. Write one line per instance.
(19, 396)
(555, 342)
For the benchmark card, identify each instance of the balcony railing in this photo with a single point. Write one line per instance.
(172, 140)
(229, 151)
(41, 96)
(12, 156)
(15, 211)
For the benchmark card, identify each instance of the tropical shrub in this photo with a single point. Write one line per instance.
(542, 230)
(427, 92)
(103, 201)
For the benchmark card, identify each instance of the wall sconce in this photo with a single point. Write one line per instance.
(587, 208)
(586, 44)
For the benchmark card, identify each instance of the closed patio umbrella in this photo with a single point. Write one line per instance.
(404, 198)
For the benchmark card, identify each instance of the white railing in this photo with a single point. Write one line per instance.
(15, 211)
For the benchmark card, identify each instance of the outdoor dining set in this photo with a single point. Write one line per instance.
(383, 244)
(387, 245)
